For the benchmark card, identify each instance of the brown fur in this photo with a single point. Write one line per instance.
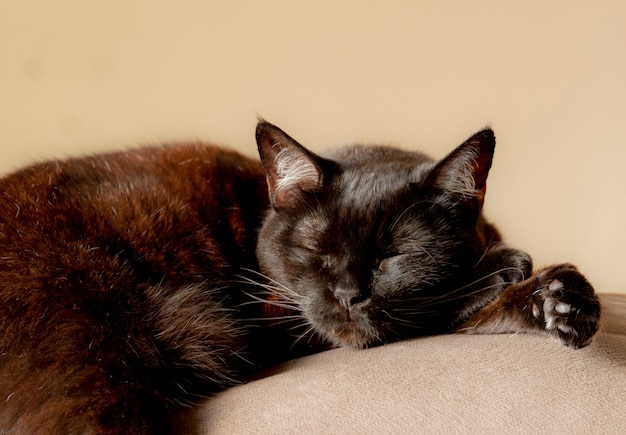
(94, 253)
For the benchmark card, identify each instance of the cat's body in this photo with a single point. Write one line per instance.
(134, 282)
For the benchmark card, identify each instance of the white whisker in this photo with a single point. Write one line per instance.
(308, 332)
(447, 295)
(286, 298)
(278, 320)
(257, 299)
(406, 210)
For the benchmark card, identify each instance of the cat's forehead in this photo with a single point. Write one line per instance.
(359, 155)
(370, 171)
(368, 184)
(311, 224)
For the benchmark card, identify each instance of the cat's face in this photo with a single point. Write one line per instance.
(367, 242)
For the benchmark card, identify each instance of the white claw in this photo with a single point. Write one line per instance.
(555, 285)
(536, 312)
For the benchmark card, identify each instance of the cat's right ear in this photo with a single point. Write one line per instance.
(290, 168)
(463, 173)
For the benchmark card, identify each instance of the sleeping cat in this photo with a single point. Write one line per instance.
(134, 283)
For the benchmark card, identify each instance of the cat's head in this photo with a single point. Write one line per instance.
(372, 244)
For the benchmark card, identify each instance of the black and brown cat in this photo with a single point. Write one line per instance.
(137, 282)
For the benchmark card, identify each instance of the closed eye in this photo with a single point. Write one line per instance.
(313, 255)
(388, 260)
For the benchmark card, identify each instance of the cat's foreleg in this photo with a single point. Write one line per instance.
(557, 300)
(499, 268)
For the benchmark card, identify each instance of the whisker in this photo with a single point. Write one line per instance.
(257, 299)
(304, 323)
(428, 253)
(407, 322)
(406, 210)
(452, 292)
(307, 332)
(287, 298)
(267, 278)
(289, 317)
(504, 269)
(269, 288)
(440, 299)
(279, 320)
(492, 243)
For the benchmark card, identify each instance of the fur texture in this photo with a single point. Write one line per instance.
(135, 283)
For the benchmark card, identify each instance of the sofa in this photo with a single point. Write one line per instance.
(518, 383)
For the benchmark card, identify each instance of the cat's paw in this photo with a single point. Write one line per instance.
(566, 305)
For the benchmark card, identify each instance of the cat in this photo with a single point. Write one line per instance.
(138, 282)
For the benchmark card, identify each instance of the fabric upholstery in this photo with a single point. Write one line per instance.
(446, 384)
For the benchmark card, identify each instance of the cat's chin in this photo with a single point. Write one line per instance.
(350, 335)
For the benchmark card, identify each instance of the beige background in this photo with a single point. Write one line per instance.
(548, 76)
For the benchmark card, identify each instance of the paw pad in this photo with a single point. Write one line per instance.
(562, 308)
(566, 306)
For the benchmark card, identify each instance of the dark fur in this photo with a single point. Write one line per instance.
(130, 284)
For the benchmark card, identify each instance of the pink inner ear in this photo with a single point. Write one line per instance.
(481, 168)
(463, 173)
(480, 195)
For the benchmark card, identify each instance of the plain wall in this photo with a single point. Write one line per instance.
(549, 76)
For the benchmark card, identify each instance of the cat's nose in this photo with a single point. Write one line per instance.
(347, 296)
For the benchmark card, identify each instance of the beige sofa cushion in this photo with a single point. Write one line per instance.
(445, 384)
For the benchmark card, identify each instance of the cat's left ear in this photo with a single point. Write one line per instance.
(463, 173)
(291, 169)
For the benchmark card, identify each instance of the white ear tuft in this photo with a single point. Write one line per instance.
(294, 170)
(458, 178)
(290, 168)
